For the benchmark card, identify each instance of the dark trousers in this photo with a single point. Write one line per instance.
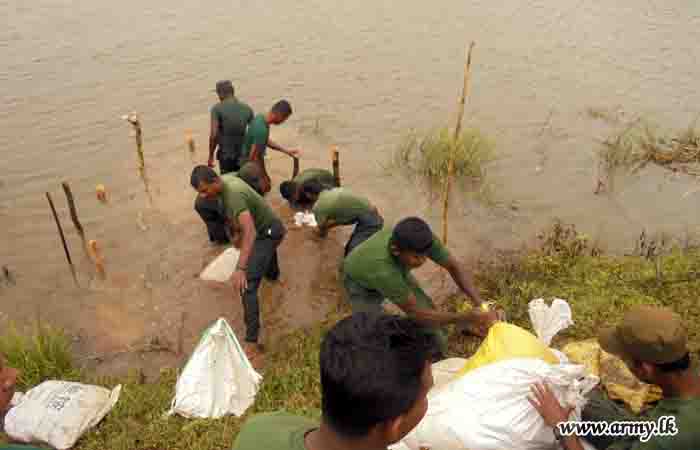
(228, 163)
(366, 226)
(262, 263)
(212, 213)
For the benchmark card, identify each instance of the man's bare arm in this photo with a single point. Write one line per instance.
(248, 236)
(462, 278)
(213, 139)
(433, 318)
(279, 148)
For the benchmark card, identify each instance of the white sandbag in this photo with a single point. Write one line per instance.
(549, 320)
(222, 267)
(218, 379)
(446, 370)
(59, 412)
(488, 408)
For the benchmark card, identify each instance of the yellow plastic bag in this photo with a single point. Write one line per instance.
(616, 378)
(508, 341)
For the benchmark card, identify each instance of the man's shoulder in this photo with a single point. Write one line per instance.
(274, 431)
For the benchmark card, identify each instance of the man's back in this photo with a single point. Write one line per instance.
(258, 133)
(341, 206)
(323, 176)
(274, 431)
(238, 197)
(233, 117)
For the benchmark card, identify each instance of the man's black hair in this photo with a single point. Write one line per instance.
(287, 189)
(412, 234)
(308, 189)
(202, 173)
(681, 365)
(283, 108)
(372, 370)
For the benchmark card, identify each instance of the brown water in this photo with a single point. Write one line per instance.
(367, 72)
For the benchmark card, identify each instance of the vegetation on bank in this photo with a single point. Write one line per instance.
(565, 264)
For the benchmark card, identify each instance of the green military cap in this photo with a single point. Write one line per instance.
(649, 334)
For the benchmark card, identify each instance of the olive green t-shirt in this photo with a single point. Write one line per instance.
(321, 175)
(233, 117)
(274, 431)
(340, 206)
(258, 133)
(238, 197)
(372, 266)
(687, 421)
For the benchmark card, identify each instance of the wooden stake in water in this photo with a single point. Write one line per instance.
(133, 119)
(190, 143)
(63, 239)
(74, 213)
(97, 259)
(295, 168)
(335, 155)
(455, 140)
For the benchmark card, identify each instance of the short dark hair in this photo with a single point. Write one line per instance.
(372, 370)
(680, 365)
(202, 173)
(412, 234)
(312, 187)
(287, 189)
(283, 108)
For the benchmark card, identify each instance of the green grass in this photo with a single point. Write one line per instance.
(566, 264)
(426, 156)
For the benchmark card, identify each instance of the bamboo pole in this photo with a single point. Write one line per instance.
(335, 156)
(458, 130)
(63, 239)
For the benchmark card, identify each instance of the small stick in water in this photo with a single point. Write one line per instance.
(295, 169)
(101, 192)
(97, 258)
(63, 239)
(190, 142)
(335, 155)
(73, 211)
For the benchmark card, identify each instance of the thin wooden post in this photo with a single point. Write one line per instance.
(455, 140)
(63, 239)
(335, 155)
(133, 119)
(74, 212)
(97, 259)
(295, 168)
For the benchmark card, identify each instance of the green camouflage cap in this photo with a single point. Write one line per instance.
(649, 334)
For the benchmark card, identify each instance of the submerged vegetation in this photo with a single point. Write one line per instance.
(564, 264)
(641, 143)
(426, 157)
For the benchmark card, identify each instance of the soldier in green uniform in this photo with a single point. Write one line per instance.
(380, 268)
(261, 232)
(229, 120)
(653, 343)
(257, 140)
(339, 207)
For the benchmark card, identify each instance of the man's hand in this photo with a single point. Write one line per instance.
(239, 282)
(481, 322)
(548, 406)
(294, 153)
(210, 162)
